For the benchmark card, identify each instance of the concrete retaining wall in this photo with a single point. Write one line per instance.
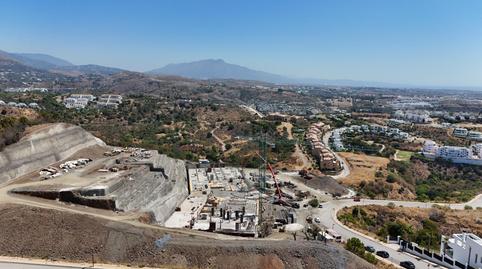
(42, 148)
(156, 190)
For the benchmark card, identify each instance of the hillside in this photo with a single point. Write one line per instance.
(65, 236)
(416, 224)
(16, 74)
(87, 69)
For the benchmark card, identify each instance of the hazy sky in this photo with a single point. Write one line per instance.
(426, 42)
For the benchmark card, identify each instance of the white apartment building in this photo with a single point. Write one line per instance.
(30, 89)
(430, 147)
(89, 97)
(466, 155)
(75, 102)
(460, 132)
(451, 152)
(473, 135)
(380, 130)
(110, 98)
(109, 101)
(416, 117)
(465, 248)
(477, 150)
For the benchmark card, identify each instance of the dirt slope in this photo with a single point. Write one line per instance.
(42, 233)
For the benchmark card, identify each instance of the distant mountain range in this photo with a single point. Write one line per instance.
(204, 69)
(56, 65)
(219, 69)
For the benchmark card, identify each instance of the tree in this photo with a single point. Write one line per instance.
(314, 202)
(356, 246)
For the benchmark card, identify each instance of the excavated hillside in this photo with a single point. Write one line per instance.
(50, 234)
(43, 146)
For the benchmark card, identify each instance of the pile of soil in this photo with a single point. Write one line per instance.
(325, 183)
(57, 235)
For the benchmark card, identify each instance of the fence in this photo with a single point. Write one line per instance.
(431, 256)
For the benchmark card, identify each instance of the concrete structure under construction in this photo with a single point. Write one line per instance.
(221, 200)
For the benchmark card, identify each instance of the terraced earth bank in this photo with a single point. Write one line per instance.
(46, 145)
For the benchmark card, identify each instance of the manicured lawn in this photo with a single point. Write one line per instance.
(404, 155)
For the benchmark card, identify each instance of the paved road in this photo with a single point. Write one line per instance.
(346, 168)
(328, 218)
(252, 110)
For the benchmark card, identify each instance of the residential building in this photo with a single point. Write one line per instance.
(415, 116)
(451, 152)
(465, 248)
(89, 97)
(109, 101)
(75, 102)
(464, 155)
(33, 105)
(477, 148)
(460, 132)
(325, 157)
(473, 135)
(430, 147)
(30, 89)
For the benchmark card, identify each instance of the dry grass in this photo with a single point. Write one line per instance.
(288, 126)
(448, 222)
(363, 167)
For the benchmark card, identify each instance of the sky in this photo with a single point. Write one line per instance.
(417, 42)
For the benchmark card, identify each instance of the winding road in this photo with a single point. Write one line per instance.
(345, 166)
(328, 218)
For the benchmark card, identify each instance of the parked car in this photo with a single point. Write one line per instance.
(356, 199)
(383, 254)
(407, 264)
(317, 220)
(370, 249)
(320, 206)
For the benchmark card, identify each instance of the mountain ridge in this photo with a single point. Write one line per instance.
(217, 69)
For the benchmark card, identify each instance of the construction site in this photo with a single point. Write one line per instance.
(145, 184)
(124, 180)
(61, 173)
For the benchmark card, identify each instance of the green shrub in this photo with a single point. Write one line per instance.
(314, 202)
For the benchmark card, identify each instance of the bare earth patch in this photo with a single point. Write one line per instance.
(363, 167)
